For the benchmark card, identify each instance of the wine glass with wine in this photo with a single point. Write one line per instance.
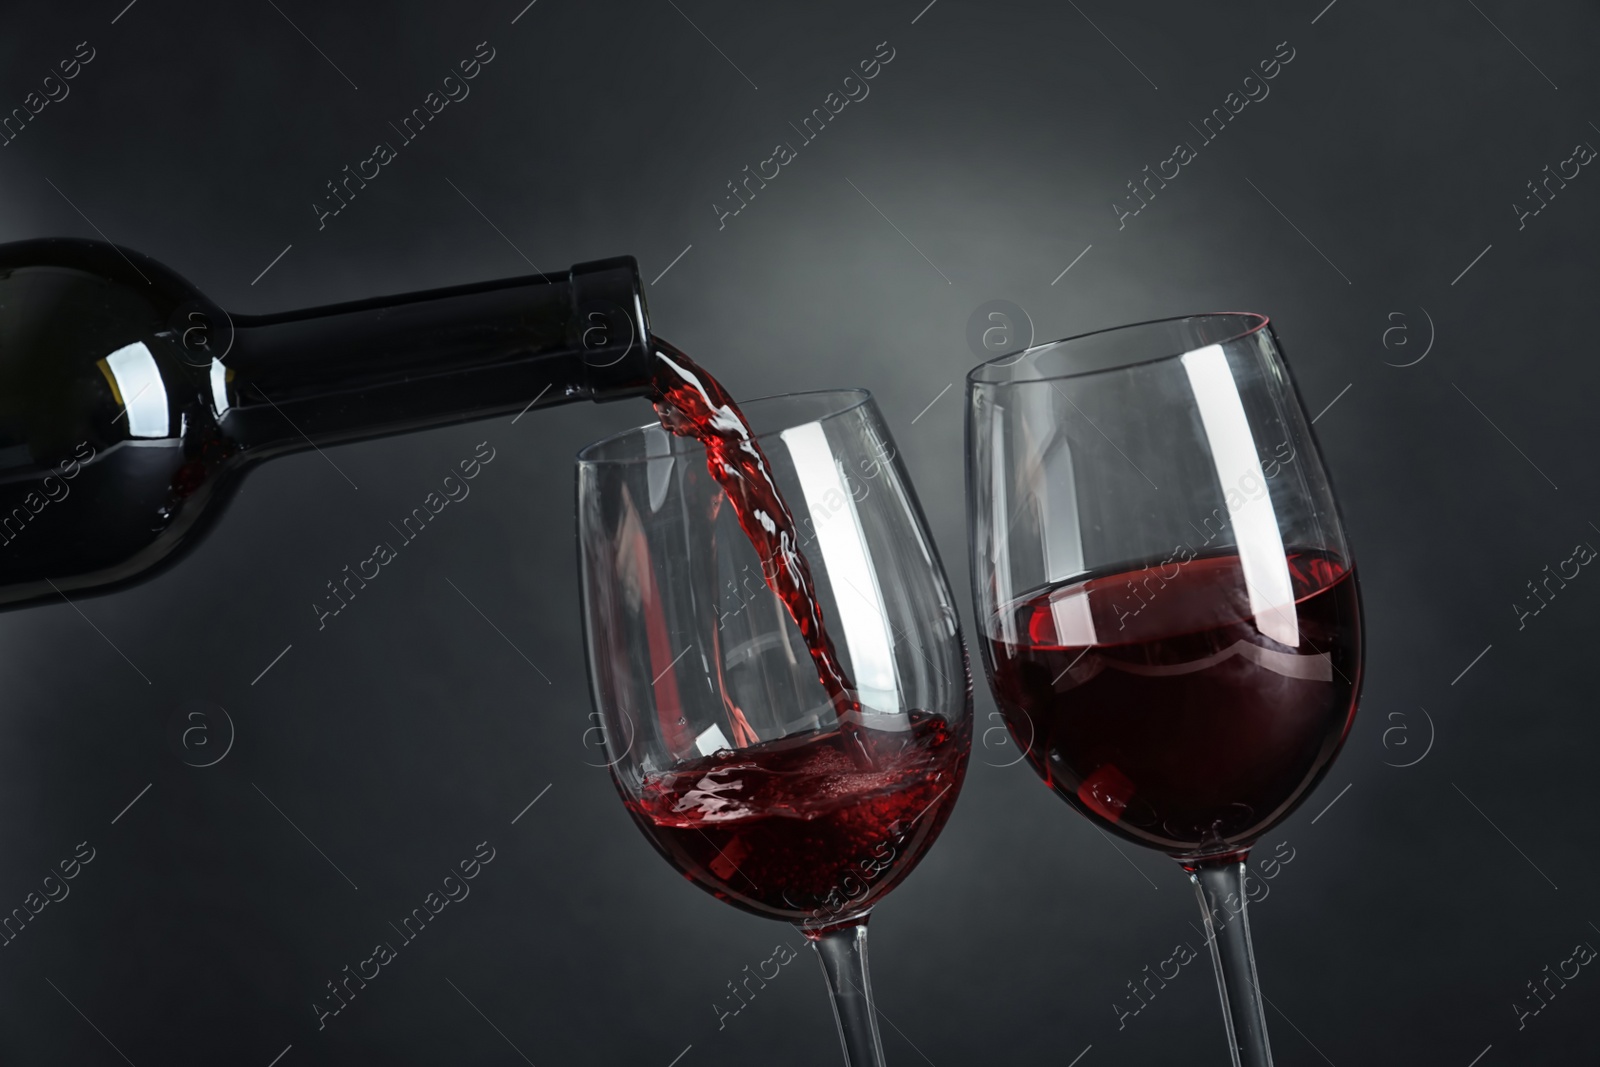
(776, 659)
(1171, 616)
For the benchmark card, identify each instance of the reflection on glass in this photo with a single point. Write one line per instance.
(136, 385)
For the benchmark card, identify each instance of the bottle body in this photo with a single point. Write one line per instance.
(130, 404)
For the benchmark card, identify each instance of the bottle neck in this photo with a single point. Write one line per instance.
(365, 369)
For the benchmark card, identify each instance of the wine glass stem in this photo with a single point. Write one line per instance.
(843, 953)
(1222, 901)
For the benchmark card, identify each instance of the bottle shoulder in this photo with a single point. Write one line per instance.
(110, 416)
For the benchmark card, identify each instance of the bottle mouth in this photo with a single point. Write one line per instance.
(611, 327)
(768, 416)
(1116, 348)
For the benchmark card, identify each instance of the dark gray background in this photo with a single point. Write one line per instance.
(408, 731)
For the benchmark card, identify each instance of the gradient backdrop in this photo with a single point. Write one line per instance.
(1369, 204)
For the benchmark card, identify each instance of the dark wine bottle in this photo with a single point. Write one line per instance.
(130, 404)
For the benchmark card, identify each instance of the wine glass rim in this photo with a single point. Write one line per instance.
(849, 399)
(975, 377)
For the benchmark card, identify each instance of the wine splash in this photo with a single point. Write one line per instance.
(691, 403)
(795, 829)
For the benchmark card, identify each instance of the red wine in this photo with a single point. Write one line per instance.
(796, 829)
(1153, 703)
(692, 403)
(813, 829)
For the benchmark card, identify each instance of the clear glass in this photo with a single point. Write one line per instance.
(1172, 625)
(721, 740)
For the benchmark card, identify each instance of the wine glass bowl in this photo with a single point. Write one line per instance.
(1190, 732)
(1172, 623)
(722, 740)
(792, 829)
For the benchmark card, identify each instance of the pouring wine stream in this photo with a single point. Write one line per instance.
(691, 403)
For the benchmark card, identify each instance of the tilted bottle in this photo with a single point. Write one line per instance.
(130, 404)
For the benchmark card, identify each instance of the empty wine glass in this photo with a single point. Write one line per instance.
(723, 742)
(1170, 611)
